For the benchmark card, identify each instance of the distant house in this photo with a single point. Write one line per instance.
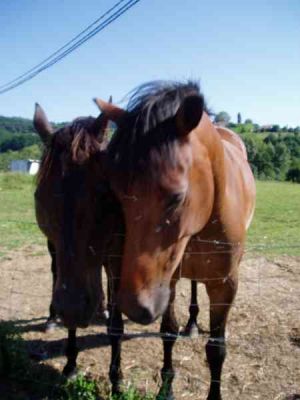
(30, 167)
(266, 128)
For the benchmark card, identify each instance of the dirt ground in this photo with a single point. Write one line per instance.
(263, 357)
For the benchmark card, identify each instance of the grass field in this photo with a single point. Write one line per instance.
(276, 225)
(17, 220)
(275, 228)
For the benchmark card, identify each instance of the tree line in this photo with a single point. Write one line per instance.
(19, 141)
(273, 153)
(274, 156)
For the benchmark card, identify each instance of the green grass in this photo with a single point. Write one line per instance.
(275, 228)
(276, 225)
(17, 219)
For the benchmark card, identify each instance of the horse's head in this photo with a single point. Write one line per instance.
(68, 208)
(161, 175)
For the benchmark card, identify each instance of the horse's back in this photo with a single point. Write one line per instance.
(239, 176)
(233, 138)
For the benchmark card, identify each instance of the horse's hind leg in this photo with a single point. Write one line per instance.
(169, 330)
(102, 312)
(192, 328)
(71, 353)
(221, 296)
(51, 321)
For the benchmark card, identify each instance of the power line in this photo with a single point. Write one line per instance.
(43, 65)
(53, 61)
(64, 46)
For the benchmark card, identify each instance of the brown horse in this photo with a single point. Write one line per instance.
(188, 197)
(76, 212)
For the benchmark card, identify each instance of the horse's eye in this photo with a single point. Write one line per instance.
(171, 216)
(174, 201)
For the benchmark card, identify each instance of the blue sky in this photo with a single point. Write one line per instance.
(246, 54)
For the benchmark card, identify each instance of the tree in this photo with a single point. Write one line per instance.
(256, 128)
(297, 129)
(275, 128)
(248, 121)
(239, 118)
(281, 160)
(222, 118)
(293, 174)
(271, 138)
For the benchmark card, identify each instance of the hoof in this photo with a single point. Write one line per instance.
(214, 397)
(164, 396)
(70, 372)
(165, 392)
(103, 315)
(116, 394)
(51, 325)
(192, 330)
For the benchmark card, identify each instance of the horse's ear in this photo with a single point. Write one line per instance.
(100, 126)
(42, 125)
(189, 114)
(111, 111)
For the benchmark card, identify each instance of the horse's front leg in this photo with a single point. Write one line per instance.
(102, 311)
(115, 330)
(71, 354)
(221, 296)
(51, 321)
(169, 330)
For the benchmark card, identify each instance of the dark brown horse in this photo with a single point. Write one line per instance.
(188, 197)
(77, 213)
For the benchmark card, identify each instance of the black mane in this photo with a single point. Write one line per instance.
(76, 138)
(147, 130)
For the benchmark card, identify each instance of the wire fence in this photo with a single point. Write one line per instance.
(187, 380)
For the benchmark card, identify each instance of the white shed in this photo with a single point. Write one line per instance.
(30, 167)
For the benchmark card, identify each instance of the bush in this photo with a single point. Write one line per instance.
(81, 388)
(274, 156)
(293, 174)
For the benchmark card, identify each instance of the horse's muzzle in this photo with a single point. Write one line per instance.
(76, 310)
(145, 307)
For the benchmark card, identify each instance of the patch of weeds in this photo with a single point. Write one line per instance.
(80, 388)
